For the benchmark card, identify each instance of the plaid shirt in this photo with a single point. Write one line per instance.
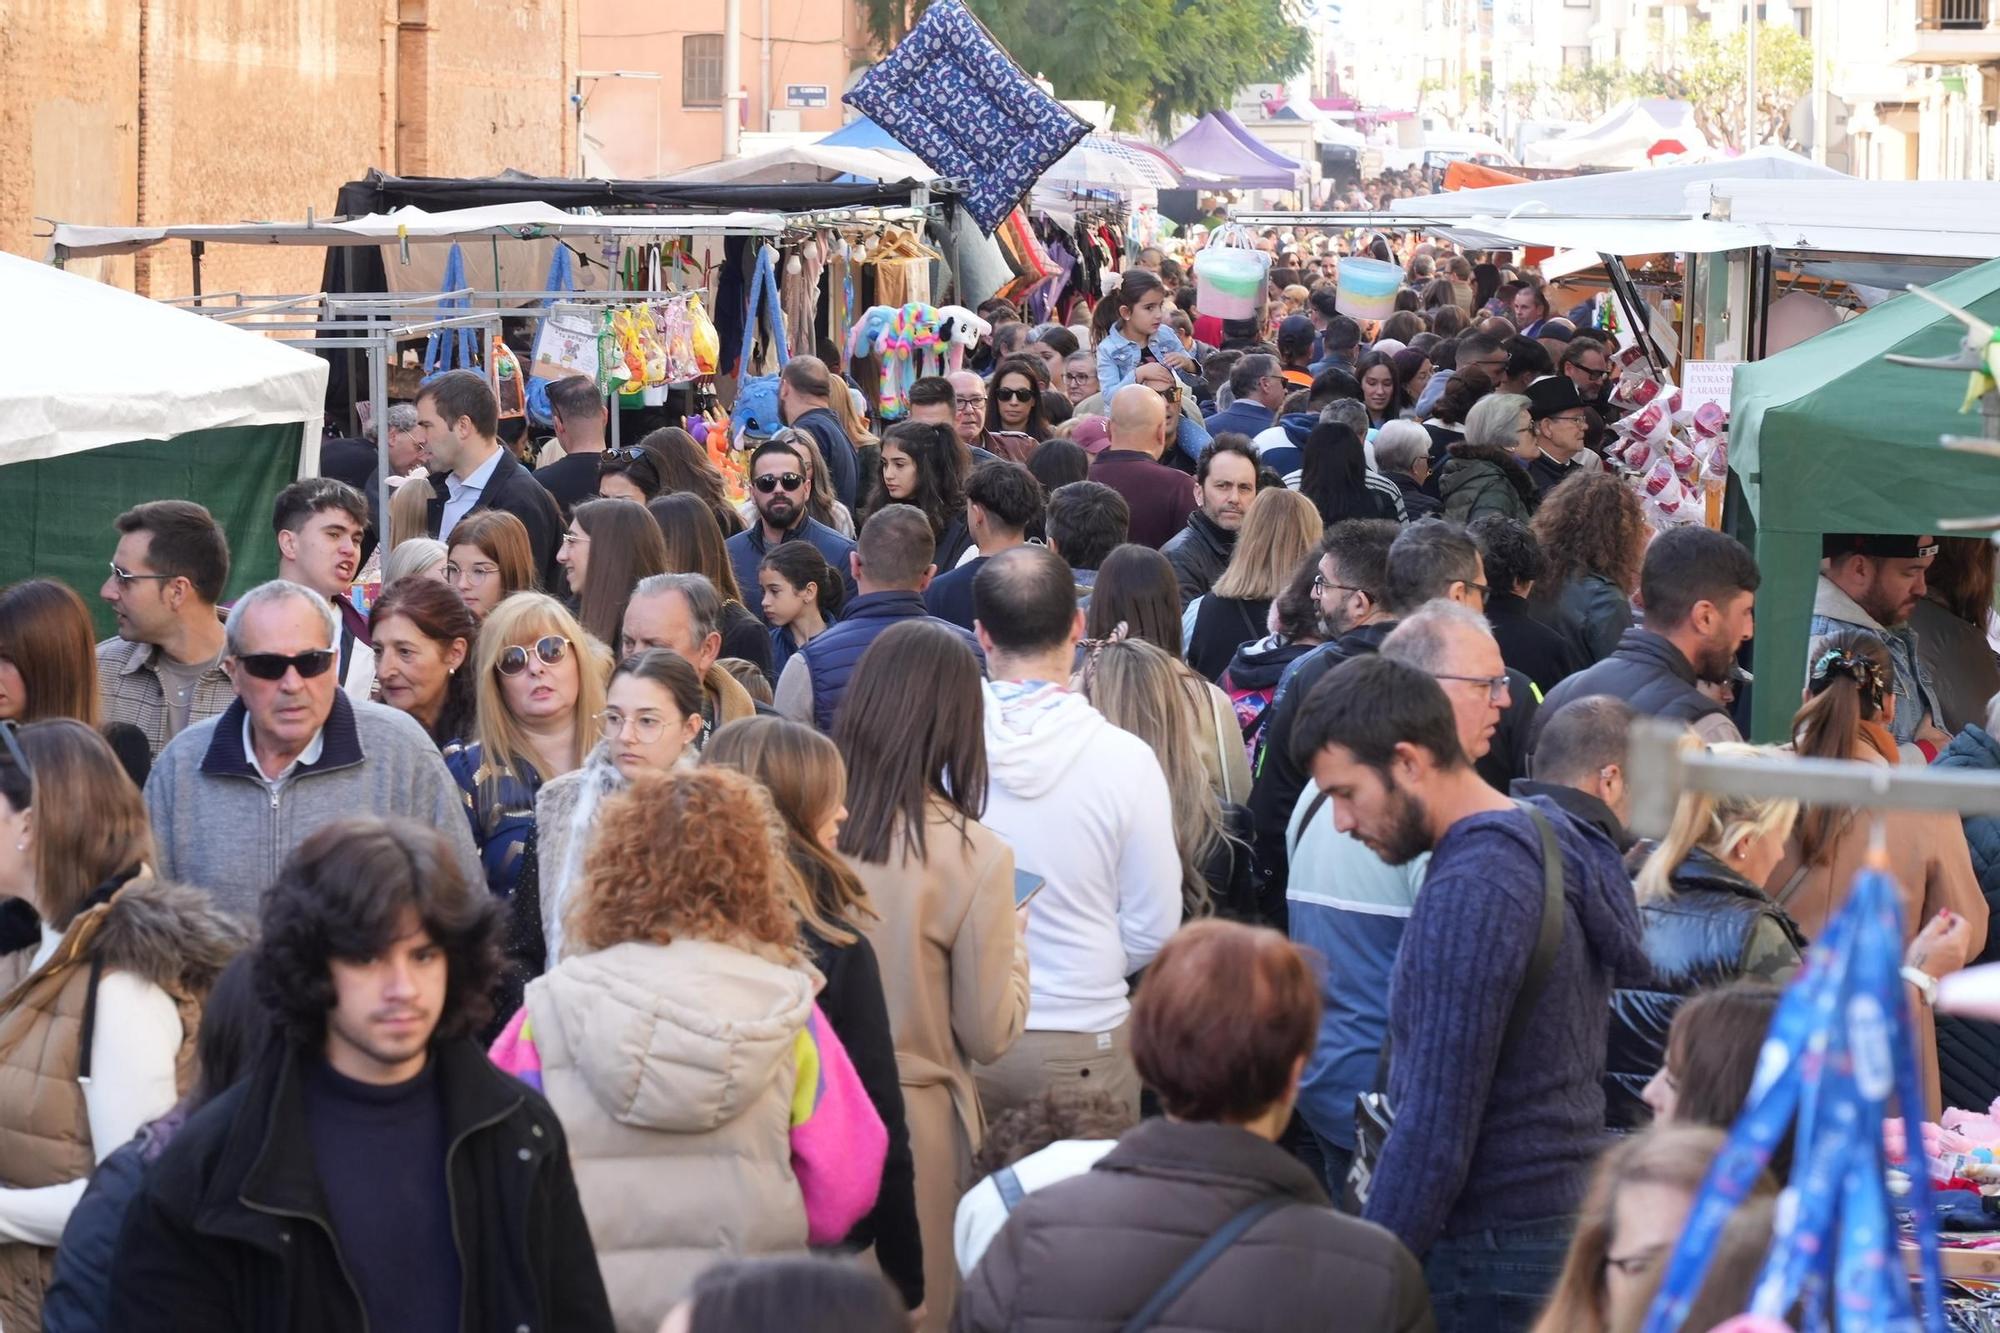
(131, 690)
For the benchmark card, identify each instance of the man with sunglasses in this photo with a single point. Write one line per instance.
(164, 670)
(1588, 367)
(778, 487)
(232, 796)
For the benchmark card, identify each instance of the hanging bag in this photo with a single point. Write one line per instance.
(560, 279)
(755, 414)
(1229, 275)
(451, 349)
(1373, 1116)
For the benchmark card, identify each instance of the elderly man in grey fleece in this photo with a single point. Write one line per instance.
(232, 796)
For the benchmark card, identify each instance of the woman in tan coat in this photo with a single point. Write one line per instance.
(1847, 714)
(953, 959)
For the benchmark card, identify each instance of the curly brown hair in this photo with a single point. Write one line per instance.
(1058, 1113)
(1591, 523)
(718, 880)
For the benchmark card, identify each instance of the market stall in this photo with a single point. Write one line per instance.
(111, 399)
(1830, 437)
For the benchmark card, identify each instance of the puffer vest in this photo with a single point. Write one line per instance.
(44, 1126)
(834, 654)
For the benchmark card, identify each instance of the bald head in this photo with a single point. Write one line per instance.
(1139, 420)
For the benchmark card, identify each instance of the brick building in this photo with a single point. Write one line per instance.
(123, 112)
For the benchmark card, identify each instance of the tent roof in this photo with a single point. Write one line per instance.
(1828, 437)
(524, 220)
(1621, 137)
(1211, 145)
(1941, 219)
(862, 133)
(1257, 145)
(816, 161)
(91, 365)
(1635, 193)
(378, 193)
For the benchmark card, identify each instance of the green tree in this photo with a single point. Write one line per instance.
(1153, 60)
(1707, 73)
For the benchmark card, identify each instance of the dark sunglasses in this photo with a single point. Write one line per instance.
(551, 648)
(1173, 394)
(273, 666)
(1016, 395)
(771, 481)
(628, 454)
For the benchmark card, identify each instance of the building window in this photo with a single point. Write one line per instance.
(701, 70)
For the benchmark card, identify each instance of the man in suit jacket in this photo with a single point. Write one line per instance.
(460, 421)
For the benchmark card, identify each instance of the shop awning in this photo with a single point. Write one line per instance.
(90, 365)
(1829, 437)
(1626, 136)
(812, 162)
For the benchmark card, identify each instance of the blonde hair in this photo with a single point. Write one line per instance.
(1279, 532)
(409, 512)
(521, 619)
(1716, 824)
(1140, 689)
(408, 559)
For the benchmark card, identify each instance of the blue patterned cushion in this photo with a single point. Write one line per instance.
(954, 97)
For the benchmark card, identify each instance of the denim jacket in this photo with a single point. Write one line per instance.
(1916, 696)
(1118, 357)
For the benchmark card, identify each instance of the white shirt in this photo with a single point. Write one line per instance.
(137, 1035)
(981, 1213)
(309, 755)
(461, 496)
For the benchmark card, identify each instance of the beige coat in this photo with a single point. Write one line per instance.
(955, 974)
(1932, 869)
(671, 1068)
(1223, 757)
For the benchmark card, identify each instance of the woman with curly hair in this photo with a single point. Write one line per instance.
(919, 467)
(710, 1110)
(807, 782)
(1593, 535)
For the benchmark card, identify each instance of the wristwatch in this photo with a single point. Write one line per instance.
(1925, 983)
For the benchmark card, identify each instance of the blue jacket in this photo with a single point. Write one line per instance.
(1974, 750)
(79, 1296)
(1289, 457)
(1242, 415)
(950, 595)
(747, 549)
(1350, 908)
(1118, 357)
(832, 657)
(501, 811)
(835, 448)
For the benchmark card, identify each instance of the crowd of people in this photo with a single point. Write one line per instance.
(1141, 840)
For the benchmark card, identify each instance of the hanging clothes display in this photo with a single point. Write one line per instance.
(798, 289)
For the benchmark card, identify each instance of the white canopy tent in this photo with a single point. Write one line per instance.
(90, 365)
(1623, 137)
(811, 162)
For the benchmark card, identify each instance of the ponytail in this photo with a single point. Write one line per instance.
(1847, 686)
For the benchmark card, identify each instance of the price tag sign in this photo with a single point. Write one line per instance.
(1705, 382)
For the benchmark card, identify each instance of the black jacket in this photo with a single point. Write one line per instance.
(1580, 805)
(1199, 553)
(1528, 645)
(1594, 613)
(1221, 626)
(1647, 672)
(230, 1232)
(1417, 503)
(1717, 927)
(514, 489)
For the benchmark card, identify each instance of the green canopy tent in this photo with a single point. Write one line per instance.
(109, 399)
(1827, 436)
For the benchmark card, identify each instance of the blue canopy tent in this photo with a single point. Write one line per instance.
(862, 133)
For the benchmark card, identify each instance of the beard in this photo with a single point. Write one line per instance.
(1406, 835)
(778, 509)
(1335, 623)
(1715, 661)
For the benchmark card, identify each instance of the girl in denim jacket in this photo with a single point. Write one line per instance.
(1138, 324)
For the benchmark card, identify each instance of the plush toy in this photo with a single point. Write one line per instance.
(966, 331)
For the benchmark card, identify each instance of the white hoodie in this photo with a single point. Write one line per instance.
(1085, 808)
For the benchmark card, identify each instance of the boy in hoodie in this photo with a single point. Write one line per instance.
(1086, 809)
(1491, 1152)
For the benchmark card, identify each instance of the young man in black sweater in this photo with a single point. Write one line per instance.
(374, 1170)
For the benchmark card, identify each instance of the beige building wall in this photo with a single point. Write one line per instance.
(120, 112)
(652, 95)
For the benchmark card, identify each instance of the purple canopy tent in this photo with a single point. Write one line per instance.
(1234, 154)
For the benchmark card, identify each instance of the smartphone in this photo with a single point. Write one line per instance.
(1026, 885)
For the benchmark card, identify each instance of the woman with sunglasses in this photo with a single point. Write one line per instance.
(540, 685)
(632, 472)
(1015, 422)
(97, 1030)
(652, 713)
(489, 559)
(609, 546)
(693, 545)
(920, 468)
(424, 637)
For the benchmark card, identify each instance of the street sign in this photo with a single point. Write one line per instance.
(805, 94)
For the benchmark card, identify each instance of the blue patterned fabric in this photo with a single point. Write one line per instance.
(954, 97)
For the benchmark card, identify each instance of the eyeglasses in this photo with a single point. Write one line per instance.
(1573, 418)
(1321, 583)
(970, 404)
(480, 572)
(273, 666)
(1079, 376)
(1016, 395)
(646, 727)
(551, 648)
(1593, 374)
(1480, 588)
(127, 579)
(1171, 394)
(772, 481)
(1496, 686)
(569, 537)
